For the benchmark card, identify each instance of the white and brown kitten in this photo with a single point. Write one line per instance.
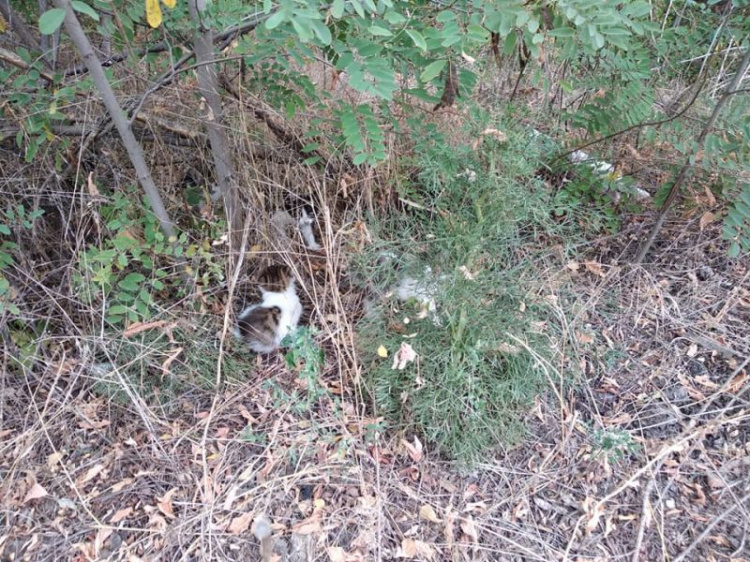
(263, 326)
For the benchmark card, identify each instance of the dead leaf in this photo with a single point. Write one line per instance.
(594, 267)
(309, 526)
(705, 380)
(573, 266)
(427, 512)
(467, 58)
(403, 356)
(92, 473)
(338, 554)
(173, 354)
(594, 512)
(121, 484)
(53, 459)
(411, 548)
(497, 134)
(468, 275)
(241, 524)
(165, 503)
(707, 218)
(584, 338)
(709, 195)
(36, 492)
(507, 348)
(121, 514)
(470, 491)
(139, 327)
(449, 529)
(415, 450)
(737, 383)
(93, 190)
(470, 529)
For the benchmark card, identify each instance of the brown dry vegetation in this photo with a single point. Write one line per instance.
(88, 474)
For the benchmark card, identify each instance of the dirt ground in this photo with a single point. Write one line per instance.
(638, 451)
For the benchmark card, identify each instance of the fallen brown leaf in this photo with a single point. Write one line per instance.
(91, 473)
(707, 218)
(470, 529)
(36, 492)
(594, 267)
(93, 190)
(338, 554)
(414, 450)
(165, 503)
(241, 524)
(173, 354)
(53, 459)
(427, 512)
(121, 514)
(411, 548)
(139, 327)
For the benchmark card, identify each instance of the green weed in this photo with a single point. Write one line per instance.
(473, 378)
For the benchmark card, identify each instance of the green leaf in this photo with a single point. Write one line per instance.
(51, 20)
(380, 31)
(394, 18)
(84, 8)
(432, 70)
(561, 32)
(358, 8)
(337, 9)
(478, 32)
(117, 309)
(359, 159)
(322, 31)
(417, 38)
(132, 281)
(276, 20)
(445, 16)
(637, 9)
(4, 229)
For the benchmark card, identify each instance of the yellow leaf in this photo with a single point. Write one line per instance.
(169, 3)
(3, 25)
(153, 13)
(382, 351)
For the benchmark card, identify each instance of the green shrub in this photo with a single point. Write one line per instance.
(134, 263)
(474, 376)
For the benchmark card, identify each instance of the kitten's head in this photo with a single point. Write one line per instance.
(275, 279)
(259, 326)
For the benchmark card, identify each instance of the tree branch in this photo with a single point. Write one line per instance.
(79, 38)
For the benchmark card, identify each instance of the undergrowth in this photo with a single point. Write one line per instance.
(477, 367)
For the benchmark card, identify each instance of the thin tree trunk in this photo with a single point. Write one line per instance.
(209, 88)
(74, 29)
(687, 167)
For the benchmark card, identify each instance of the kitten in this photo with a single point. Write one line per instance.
(264, 325)
(284, 222)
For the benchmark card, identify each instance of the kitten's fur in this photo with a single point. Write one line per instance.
(263, 326)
